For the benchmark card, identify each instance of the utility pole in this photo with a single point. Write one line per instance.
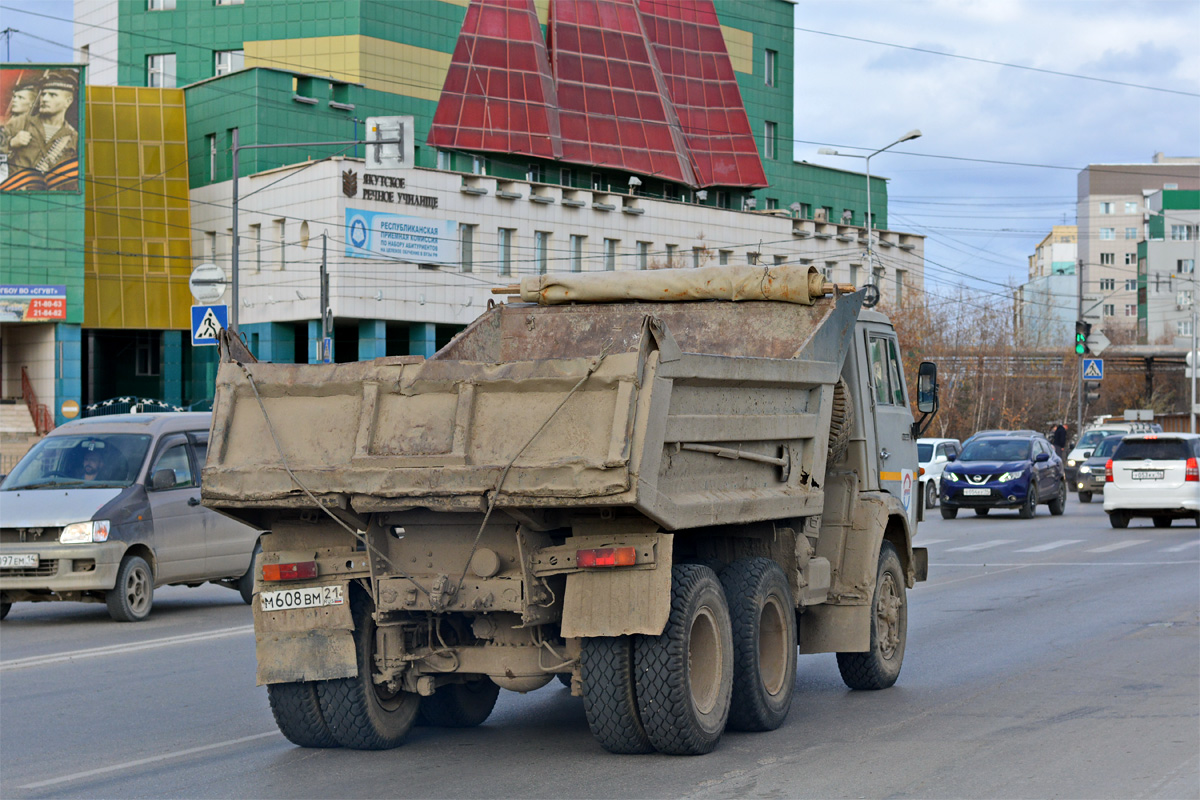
(7, 34)
(1079, 365)
(325, 310)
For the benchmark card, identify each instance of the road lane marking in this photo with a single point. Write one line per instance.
(1041, 548)
(1179, 548)
(931, 541)
(1108, 548)
(971, 548)
(121, 649)
(141, 762)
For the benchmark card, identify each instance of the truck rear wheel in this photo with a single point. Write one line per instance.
(764, 644)
(360, 713)
(879, 667)
(609, 697)
(297, 712)
(684, 676)
(460, 705)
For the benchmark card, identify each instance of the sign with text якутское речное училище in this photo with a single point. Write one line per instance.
(375, 234)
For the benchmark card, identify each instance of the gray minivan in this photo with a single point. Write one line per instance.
(105, 509)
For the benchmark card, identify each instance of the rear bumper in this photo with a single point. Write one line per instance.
(1181, 502)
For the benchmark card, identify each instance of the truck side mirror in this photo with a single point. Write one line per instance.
(927, 387)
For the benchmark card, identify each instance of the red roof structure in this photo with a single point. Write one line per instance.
(642, 86)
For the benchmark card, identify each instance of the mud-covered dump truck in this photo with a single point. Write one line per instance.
(657, 487)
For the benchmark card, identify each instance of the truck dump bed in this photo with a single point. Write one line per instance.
(693, 413)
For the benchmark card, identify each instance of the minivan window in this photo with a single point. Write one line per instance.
(175, 458)
(1092, 438)
(996, 450)
(924, 453)
(96, 460)
(1155, 449)
(1107, 447)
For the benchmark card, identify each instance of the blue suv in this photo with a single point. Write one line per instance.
(1007, 471)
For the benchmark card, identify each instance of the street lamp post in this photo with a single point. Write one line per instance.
(829, 151)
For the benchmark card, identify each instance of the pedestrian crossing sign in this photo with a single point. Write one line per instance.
(207, 324)
(1093, 369)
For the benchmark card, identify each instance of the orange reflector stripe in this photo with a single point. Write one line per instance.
(289, 572)
(606, 557)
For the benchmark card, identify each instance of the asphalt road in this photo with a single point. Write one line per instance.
(1053, 657)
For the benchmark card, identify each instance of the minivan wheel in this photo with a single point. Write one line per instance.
(931, 493)
(1118, 519)
(133, 595)
(1162, 522)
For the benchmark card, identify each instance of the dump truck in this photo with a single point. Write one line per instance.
(658, 487)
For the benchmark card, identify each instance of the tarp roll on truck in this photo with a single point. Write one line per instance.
(657, 486)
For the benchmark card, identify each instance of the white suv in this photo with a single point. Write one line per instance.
(933, 455)
(1154, 475)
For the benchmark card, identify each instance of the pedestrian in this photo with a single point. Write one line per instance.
(1059, 439)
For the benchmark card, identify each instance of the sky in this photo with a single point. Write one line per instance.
(1013, 98)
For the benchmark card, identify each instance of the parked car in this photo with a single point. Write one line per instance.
(1091, 472)
(1005, 472)
(105, 509)
(933, 455)
(989, 433)
(1093, 436)
(1154, 475)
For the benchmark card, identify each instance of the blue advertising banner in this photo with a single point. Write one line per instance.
(375, 234)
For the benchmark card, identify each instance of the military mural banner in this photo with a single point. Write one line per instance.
(374, 234)
(21, 303)
(39, 128)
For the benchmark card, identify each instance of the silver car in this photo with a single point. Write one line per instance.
(1154, 475)
(107, 508)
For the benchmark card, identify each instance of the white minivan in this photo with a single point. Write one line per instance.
(932, 456)
(1155, 475)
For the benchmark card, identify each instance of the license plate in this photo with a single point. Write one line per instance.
(1148, 474)
(977, 492)
(19, 560)
(308, 597)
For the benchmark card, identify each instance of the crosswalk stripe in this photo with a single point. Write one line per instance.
(1179, 548)
(1041, 548)
(1108, 548)
(971, 548)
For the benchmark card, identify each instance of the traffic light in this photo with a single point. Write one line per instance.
(1091, 391)
(1082, 331)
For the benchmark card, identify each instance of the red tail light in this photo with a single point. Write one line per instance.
(1108, 471)
(290, 572)
(1193, 471)
(607, 557)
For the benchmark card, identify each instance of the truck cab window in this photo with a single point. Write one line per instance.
(879, 371)
(894, 372)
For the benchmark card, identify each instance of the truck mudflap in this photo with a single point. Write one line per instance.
(305, 644)
(622, 601)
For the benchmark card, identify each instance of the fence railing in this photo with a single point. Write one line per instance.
(43, 421)
(128, 405)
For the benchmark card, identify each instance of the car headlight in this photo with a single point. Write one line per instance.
(85, 532)
(1085, 470)
(950, 476)
(1011, 476)
(1070, 462)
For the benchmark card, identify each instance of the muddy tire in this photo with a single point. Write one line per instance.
(879, 667)
(297, 712)
(609, 696)
(684, 676)
(131, 599)
(763, 619)
(460, 705)
(841, 421)
(360, 713)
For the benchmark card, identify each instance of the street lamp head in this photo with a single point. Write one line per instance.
(913, 134)
(827, 151)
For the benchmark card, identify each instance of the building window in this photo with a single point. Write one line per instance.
(228, 2)
(227, 61)
(672, 249)
(1108, 259)
(1107, 234)
(643, 255)
(1131, 309)
(1130, 259)
(1131, 284)
(1183, 327)
(1183, 233)
(723, 257)
(1183, 299)
(147, 355)
(256, 237)
(504, 237)
(1131, 233)
(1110, 310)
(1108, 208)
(210, 246)
(566, 177)
(698, 257)
(466, 242)
(828, 270)
(281, 237)
(576, 253)
(212, 156)
(610, 254)
(541, 251)
(1185, 266)
(805, 211)
(478, 165)
(752, 258)
(598, 182)
(1131, 207)
(160, 71)
(536, 173)
(769, 133)
(770, 67)
(854, 274)
(160, 5)
(1108, 284)
(772, 203)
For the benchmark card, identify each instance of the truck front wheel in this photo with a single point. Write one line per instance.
(684, 675)
(879, 667)
(460, 705)
(764, 644)
(297, 712)
(609, 696)
(362, 714)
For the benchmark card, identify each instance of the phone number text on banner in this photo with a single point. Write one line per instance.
(372, 234)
